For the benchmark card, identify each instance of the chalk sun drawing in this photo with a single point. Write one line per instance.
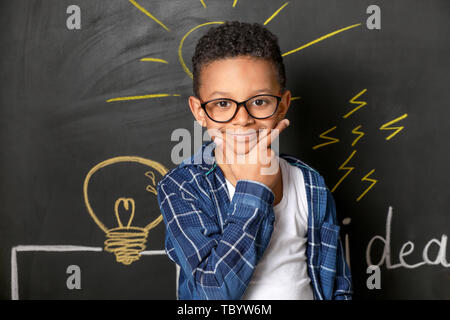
(194, 28)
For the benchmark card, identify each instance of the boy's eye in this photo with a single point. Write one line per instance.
(223, 103)
(259, 102)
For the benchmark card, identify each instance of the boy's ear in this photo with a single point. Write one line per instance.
(284, 105)
(197, 111)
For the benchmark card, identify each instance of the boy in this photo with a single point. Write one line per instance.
(235, 232)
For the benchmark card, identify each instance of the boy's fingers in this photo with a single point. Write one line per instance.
(275, 132)
(262, 135)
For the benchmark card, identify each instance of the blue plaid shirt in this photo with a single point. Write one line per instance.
(217, 242)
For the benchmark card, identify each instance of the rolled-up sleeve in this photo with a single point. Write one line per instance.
(216, 263)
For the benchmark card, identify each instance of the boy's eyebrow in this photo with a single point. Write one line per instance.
(221, 93)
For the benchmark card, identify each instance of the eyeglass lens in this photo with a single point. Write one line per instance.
(258, 107)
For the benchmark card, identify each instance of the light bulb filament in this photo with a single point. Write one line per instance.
(126, 204)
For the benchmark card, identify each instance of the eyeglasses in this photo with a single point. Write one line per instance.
(259, 107)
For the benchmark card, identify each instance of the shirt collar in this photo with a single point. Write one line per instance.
(203, 158)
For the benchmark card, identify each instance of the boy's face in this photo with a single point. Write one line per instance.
(239, 78)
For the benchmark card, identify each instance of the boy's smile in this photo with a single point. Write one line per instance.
(239, 78)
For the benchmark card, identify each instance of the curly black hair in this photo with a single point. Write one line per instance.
(232, 39)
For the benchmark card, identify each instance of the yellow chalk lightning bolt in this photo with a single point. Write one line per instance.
(323, 136)
(355, 131)
(366, 178)
(397, 129)
(360, 103)
(342, 167)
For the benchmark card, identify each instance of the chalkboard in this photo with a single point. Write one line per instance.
(92, 91)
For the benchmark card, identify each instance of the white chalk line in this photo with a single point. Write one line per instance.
(61, 248)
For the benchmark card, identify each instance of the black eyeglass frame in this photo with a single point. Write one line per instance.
(203, 105)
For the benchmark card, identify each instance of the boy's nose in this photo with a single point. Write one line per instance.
(242, 116)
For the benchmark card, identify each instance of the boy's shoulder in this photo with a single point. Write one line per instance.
(181, 175)
(297, 162)
(199, 163)
(308, 171)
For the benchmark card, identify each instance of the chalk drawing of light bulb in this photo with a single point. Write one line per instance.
(125, 240)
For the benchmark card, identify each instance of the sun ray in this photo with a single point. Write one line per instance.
(147, 96)
(180, 51)
(321, 38)
(203, 3)
(234, 3)
(141, 8)
(154, 60)
(275, 13)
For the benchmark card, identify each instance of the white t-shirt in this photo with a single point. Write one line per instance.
(282, 271)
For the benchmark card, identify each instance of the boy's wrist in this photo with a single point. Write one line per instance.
(253, 193)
